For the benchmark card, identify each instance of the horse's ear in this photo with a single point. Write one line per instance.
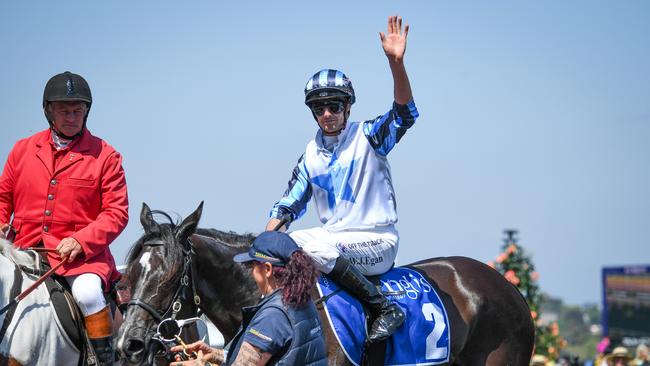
(188, 226)
(146, 219)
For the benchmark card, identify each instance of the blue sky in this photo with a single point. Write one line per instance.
(534, 115)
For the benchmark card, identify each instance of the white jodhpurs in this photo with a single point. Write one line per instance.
(87, 291)
(371, 251)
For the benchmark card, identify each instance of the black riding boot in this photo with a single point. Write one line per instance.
(104, 350)
(388, 316)
(99, 327)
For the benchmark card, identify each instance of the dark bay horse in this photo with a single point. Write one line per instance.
(490, 323)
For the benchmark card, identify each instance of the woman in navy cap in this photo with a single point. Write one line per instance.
(284, 327)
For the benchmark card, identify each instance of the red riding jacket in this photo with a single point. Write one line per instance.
(78, 192)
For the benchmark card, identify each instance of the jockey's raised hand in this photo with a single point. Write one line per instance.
(69, 248)
(394, 44)
(394, 41)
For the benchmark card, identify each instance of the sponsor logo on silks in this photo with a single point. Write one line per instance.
(366, 261)
(266, 257)
(258, 334)
(360, 246)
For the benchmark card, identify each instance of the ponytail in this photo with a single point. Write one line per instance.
(297, 278)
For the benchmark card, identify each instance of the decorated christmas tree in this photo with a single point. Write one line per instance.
(517, 267)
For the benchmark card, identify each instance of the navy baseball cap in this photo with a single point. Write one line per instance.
(270, 246)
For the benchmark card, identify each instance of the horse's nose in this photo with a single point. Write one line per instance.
(134, 348)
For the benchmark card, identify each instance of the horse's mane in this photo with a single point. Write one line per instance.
(174, 252)
(229, 238)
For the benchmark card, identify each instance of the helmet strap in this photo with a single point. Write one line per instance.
(62, 135)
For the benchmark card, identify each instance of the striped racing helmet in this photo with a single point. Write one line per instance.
(329, 84)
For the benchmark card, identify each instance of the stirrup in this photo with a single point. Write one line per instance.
(389, 320)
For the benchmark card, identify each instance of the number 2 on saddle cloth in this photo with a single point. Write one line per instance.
(422, 340)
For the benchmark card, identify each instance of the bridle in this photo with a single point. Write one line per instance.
(168, 322)
(180, 294)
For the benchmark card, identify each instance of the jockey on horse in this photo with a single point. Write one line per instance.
(66, 191)
(345, 170)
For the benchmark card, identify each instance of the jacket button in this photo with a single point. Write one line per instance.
(53, 182)
(48, 212)
(46, 228)
(50, 197)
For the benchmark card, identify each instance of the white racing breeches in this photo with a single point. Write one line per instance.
(87, 291)
(372, 251)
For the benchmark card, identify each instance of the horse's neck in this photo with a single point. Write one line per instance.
(27, 259)
(223, 284)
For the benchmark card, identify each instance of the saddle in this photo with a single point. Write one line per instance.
(423, 339)
(68, 315)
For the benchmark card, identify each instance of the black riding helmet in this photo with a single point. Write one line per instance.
(67, 87)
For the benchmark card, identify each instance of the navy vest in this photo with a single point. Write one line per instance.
(307, 344)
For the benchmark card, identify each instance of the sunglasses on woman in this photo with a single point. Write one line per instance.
(334, 107)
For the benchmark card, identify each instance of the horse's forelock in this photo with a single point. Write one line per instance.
(172, 253)
(164, 233)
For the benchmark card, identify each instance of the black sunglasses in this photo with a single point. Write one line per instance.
(334, 108)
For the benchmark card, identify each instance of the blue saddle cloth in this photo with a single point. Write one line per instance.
(423, 339)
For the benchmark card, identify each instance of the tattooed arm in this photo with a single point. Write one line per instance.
(250, 355)
(205, 354)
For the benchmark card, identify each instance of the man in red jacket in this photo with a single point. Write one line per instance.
(66, 190)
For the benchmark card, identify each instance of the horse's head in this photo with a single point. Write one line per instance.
(156, 274)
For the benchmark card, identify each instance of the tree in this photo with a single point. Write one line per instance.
(517, 267)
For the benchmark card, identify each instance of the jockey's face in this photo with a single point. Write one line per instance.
(68, 117)
(331, 115)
